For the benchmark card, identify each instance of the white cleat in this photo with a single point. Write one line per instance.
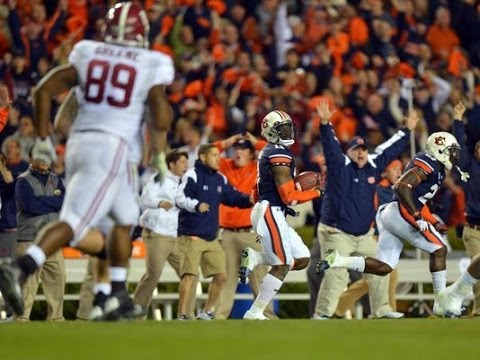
(320, 317)
(247, 264)
(449, 302)
(252, 315)
(328, 262)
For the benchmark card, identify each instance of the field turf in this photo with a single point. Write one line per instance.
(407, 339)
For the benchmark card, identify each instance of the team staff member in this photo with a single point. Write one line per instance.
(348, 210)
(235, 225)
(470, 164)
(201, 192)
(39, 194)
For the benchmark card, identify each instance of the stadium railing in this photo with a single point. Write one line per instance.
(414, 271)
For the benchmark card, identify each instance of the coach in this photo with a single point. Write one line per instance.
(348, 210)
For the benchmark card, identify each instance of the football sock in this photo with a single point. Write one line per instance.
(268, 288)
(118, 276)
(105, 288)
(464, 284)
(356, 263)
(32, 260)
(439, 279)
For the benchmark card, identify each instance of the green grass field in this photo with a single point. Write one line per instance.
(407, 339)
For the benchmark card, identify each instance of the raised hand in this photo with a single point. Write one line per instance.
(323, 110)
(458, 111)
(412, 120)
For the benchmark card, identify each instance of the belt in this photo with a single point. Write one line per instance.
(239, 229)
(474, 227)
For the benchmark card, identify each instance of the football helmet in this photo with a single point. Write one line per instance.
(126, 24)
(278, 128)
(444, 147)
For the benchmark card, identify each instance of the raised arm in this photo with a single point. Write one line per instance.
(334, 155)
(459, 133)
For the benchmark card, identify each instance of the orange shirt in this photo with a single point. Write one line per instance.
(3, 117)
(442, 41)
(243, 179)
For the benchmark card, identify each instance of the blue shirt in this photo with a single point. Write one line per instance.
(471, 165)
(348, 201)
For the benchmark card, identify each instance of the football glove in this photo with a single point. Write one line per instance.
(421, 222)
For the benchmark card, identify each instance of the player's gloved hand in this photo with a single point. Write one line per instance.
(159, 162)
(440, 227)
(44, 146)
(421, 222)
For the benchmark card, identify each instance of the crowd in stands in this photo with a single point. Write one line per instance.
(238, 59)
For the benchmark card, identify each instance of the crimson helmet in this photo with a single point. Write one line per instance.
(126, 24)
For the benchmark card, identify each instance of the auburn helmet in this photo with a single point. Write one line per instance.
(278, 128)
(444, 147)
(127, 24)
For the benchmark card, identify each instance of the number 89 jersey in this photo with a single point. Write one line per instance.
(114, 82)
(435, 172)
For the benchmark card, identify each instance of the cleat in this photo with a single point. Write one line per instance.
(252, 315)
(10, 279)
(205, 315)
(247, 264)
(450, 303)
(327, 263)
(98, 306)
(121, 307)
(183, 317)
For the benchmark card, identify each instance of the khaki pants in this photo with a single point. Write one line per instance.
(160, 248)
(471, 239)
(52, 275)
(85, 304)
(233, 243)
(360, 288)
(336, 279)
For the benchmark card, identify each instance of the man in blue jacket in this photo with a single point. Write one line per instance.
(348, 210)
(202, 190)
(470, 163)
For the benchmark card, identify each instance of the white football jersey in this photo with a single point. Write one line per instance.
(114, 82)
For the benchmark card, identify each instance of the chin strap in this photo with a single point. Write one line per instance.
(463, 174)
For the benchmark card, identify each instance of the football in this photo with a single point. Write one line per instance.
(307, 180)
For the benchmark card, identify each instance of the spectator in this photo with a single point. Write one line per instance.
(39, 195)
(11, 167)
(160, 224)
(201, 192)
(348, 210)
(471, 231)
(236, 231)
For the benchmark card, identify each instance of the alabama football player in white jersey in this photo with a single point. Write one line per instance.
(114, 80)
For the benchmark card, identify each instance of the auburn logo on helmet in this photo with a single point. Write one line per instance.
(440, 140)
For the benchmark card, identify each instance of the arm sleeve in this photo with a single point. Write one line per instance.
(31, 203)
(391, 149)
(185, 197)
(150, 198)
(291, 196)
(459, 133)
(334, 155)
(233, 197)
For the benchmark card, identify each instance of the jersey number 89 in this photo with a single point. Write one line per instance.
(122, 77)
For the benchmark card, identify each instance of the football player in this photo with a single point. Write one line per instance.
(283, 248)
(408, 217)
(115, 79)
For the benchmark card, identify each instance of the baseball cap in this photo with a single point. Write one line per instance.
(243, 144)
(356, 142)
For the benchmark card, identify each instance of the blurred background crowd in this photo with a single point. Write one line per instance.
(238, 59)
